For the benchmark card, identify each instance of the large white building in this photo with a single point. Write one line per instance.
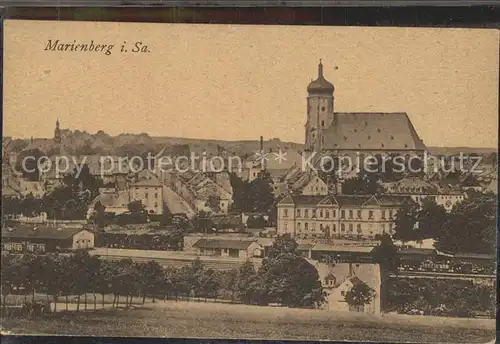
(340, 216)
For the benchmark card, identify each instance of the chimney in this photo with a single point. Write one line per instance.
(338, 187)
(261, 143)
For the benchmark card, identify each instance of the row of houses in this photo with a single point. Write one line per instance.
(201, 189)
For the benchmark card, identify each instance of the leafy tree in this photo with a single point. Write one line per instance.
(202, 222)
(363, 184)
(11, 206)
(240, 193)
(136, 207)
(405, 222)
(229, 282)
(137, 213)
(262, 196)
(30, 206)
(359, 295)
(292, 281)
(72, 199)
(386, 255)
(288, 277)
(150, 278)
(9, 276)
(431, 218)
(471, 226)
(283, 244)
(246, 275)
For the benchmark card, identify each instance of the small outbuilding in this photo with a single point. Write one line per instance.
(229, 248)
(37, 238)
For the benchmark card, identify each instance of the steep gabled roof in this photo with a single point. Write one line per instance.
(392, 200)
(352, 200)
(306, 200)
(372, 131)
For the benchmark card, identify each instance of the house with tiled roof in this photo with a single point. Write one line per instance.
(229, 248)
(348, 133)
(196, 188)
(318, 216)
(39, 238)
(419, 189)
(114, 201)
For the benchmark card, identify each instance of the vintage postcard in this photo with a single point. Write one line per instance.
(249, 182)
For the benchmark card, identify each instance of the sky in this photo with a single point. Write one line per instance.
(240, 82)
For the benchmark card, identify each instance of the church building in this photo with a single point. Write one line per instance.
(349, 133)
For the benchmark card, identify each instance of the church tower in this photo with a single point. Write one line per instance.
(57, 133)
(319, 111)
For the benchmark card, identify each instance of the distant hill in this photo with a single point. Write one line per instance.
(457, 150)
(83, 143)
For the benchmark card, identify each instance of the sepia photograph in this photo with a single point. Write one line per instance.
(249, 182)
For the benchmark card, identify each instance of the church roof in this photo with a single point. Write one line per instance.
(372, 131)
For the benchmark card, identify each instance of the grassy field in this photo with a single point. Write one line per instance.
(209, 320)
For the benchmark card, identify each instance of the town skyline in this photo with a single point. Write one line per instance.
(165, 95)
(208, 139)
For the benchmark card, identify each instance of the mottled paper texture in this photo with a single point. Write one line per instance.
(249, 182)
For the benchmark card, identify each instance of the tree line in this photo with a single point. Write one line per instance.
(470, 226)
(285, 278)
(440, 297)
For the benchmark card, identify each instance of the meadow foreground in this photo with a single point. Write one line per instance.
(208, 320)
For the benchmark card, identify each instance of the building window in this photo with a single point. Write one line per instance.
(383, 214)
(322, 108)
(156, 195)
(342, 227)
(306, 213)
(285, 212)
(350, 214)
(358, 228)
(370, 215)
(314, 213)
(298, 212)
(342, 214)
(146, 194)
(321, 213)
(334, 214)
(323, 124)
(359, 214)
(390, 214)
(350, 227)
(342, 293)
(327, 214)
(306, 226)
